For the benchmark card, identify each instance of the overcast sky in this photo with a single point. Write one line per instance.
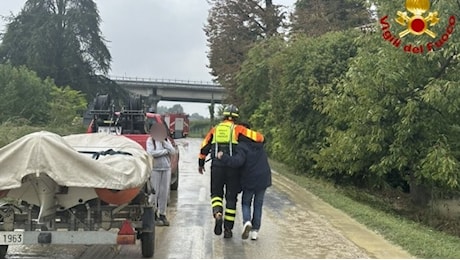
(157, 39)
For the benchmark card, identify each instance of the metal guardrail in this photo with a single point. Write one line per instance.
(150, 80)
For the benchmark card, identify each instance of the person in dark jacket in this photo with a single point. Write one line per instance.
(225, 180)
(255, 179)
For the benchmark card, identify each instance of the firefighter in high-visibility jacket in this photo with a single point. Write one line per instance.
(224, 137)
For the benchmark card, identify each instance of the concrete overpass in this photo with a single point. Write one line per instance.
(155, 90)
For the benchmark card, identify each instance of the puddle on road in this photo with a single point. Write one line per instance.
(276, 202)
(306, 235)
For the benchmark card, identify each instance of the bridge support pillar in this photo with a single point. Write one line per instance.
(153, 102)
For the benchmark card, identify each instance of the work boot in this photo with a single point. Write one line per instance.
(219, 222)
(163, 219)
(228, 233)
(246, 228)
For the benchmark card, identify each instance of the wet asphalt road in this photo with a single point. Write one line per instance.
(295, 224)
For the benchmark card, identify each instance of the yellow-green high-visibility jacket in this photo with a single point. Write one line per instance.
(225, 134)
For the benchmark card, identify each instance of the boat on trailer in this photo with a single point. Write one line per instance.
(75, 189)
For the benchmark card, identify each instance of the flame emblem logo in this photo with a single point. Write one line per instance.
(417, 24)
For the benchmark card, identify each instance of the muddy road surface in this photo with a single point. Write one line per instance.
(295, 224)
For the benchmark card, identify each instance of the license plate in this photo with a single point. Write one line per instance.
(11, 238)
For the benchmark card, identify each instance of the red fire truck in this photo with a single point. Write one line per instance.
(178, 124)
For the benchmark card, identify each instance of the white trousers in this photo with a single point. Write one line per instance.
(161, 181)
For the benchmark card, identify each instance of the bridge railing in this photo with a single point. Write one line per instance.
(140, 79)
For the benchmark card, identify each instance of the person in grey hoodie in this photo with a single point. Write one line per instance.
(160, 148)
(255, 179)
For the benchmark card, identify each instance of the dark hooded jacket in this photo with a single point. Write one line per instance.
(252, 158)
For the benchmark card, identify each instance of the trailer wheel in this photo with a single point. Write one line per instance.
(175, 185)
(147, 235)
(148, 244)
(3, 250)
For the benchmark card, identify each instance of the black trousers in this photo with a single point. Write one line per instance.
(225, 183)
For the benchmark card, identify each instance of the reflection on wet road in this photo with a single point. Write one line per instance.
(295, 224)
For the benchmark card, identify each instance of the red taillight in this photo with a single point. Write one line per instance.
(126, 235)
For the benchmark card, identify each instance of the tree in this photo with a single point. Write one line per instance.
(254, 78)
(355, 108)
(298, 75)
(233, 26)
(66, 104)
(196, 116)
(177, 108)
(60, 39)
(397, 114)
(23, 95)
(316, 17)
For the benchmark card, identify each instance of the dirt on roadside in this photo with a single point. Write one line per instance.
(372, 243)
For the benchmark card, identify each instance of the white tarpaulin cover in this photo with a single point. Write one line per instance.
(60, 158)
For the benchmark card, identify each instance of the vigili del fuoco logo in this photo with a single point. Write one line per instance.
(418, 22)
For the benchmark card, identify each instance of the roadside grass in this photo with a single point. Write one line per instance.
(371, 210)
